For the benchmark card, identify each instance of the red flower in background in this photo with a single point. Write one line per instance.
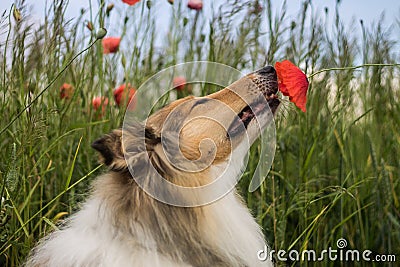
(195, 4)
(292, 82)
(179, 83)
(110, 44)
(66, 91)
(121, 93)
(130, 2)
(100, 101)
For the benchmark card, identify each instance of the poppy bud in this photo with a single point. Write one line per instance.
(123, 61)
(108, 9)
(17, 14)
(101, 33)
(89, 25)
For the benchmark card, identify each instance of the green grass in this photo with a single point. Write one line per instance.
(336, 170)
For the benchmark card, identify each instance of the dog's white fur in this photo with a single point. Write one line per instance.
(91, 239)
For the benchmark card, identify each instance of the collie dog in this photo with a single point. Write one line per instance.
(122, 224)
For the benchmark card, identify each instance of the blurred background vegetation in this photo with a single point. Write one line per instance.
(336, 169)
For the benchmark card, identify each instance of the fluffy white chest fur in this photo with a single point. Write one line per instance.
(91, 240)
(95, 236)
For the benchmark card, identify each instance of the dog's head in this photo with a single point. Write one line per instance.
(193, 133)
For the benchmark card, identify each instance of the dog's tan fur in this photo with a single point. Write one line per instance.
(135, 229)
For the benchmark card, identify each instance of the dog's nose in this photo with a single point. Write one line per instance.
(267, 70)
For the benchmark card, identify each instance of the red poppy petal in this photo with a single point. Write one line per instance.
(110, 44)
(195, 4)
(130, 2)
(292, 82)
(120, 95)
(66, 91)
(283, 89)
(179, 83)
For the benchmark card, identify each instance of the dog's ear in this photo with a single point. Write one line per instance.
(110, 148)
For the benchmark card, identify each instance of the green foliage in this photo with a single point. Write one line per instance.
(336, 169)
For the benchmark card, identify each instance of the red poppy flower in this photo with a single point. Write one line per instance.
(120, 95)
(98, 102)
(66, 91)
(292, 82)
(110, 44)
(179, 83)
(195, 4)
(130, 2)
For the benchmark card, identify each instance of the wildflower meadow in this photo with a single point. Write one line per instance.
(64, 82)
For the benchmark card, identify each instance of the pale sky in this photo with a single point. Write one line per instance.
(367, 10)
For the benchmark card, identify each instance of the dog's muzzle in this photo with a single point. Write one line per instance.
(266, 81)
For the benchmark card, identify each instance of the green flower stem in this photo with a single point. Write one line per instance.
(23, 225)
(47, 87)
(354, 67)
